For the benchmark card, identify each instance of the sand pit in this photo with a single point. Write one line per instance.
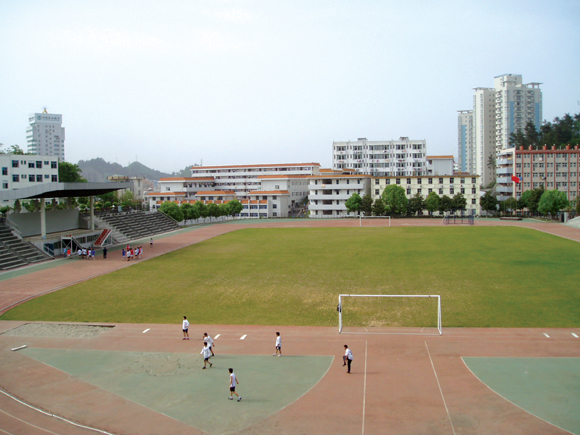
(57, 330)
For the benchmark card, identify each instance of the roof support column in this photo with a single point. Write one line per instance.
(92, 204)
(42, 219)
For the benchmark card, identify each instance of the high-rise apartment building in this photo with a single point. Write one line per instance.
(466, 157)
(497, 113)
(381, 158)
(515, 105)
(45, 135)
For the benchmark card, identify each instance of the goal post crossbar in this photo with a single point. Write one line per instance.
(438, 297)
(361, 217)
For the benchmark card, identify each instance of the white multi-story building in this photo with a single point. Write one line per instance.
(440, 165)
(466, 155)
(244, 179)
(497, 113)
(330, 190)
(19, 171)
(450, 185)
(516, 104)
(379, 158)
(45, 135)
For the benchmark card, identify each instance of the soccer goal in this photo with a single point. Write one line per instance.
(389, 314)
(374, 221)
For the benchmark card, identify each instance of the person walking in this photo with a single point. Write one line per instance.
(123, 253)
(206, 352)
(105, 252)
(185, 328)
(347, 358)
(207, 339)
(278, 345)
(151, 243)
(233, 382)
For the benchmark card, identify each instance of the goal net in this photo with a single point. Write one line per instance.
(374, 221)
(389, 314)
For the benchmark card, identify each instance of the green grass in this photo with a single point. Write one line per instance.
(486, 276)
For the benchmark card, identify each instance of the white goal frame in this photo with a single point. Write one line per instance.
(361, 217)
(339, 308)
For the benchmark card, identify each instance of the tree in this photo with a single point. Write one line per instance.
(492, 164)
(416, 205)
(379, 207)
(16, 151)
(552, 201)
(235, 207)
(172, 210)
(354, 203)
(445, 204)
(187, 210)
(213, 210)
(201, 209)
(432, 202)
(70, 173)
(395, 199)
(4, 210)
(509, 204)
(127, 199)
(459, 202)
(367, 205)
(532, 199)
(489, 201)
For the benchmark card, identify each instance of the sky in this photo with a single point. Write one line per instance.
(175, 83)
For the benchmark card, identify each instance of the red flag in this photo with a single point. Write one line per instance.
(515, 179)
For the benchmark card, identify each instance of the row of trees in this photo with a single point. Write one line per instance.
(560, 132)
(190, 212)
(537, 200)
(394, 202)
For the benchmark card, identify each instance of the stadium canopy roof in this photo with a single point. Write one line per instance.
(62, 190)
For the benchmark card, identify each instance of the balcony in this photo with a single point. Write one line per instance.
(326, 207)
(505, 171)
(505, 180)
(504, 189)
(339, 196)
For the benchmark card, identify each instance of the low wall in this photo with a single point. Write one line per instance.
(56, 221)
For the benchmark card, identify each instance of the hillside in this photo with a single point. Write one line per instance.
(98, 170)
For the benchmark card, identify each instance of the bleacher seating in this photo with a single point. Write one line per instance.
(139, 225)
(15, 253)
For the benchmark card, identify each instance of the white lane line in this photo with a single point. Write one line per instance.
(215, 338)
(18, 348)
(243, 337)
(148, 329)
(546, 335)
(440, 390)
(365, 390)
(575, 335)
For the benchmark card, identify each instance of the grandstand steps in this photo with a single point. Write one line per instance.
(16, 253)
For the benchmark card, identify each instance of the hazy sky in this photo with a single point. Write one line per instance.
(172, 83)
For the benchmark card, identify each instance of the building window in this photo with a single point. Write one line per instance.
(53, 165)
(451, 180)
(31, 165)
(15, 178)
(388, 181)
(430, 190)
(473, 180)
(463, 191)
(441, 181)
(39, 164)
(15, 164)
(462, 180)
(376, 181)
(418, 190)
(4, 171)
(430, 181)
(418, 181)
(408, 181)
(376, 191)
(473, 190)
(409, 191)
(398, 181)
(31, 178)
(440, 191)
(274, 205)
(451, 191)
(45, 175)
(474, 201)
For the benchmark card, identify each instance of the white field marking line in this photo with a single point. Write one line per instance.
(25, 422)
(546, 335)
(440, 390)
(216, 337)
(365, 389)
(575, 335)
(243, 337)
(18, 348)
(148, 329)
(509, 401)
(8, 433)
(54, 415)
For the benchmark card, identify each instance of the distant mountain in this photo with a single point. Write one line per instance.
(97, 170)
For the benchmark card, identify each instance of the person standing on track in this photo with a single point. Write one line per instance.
(185, 328)
(207, 339)
(233, 382)
(278, 345)
(347, 358)
(206, 351)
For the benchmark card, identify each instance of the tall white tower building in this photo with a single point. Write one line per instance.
(466, 152)
(515, 104)
(45, 135)
(497, 113)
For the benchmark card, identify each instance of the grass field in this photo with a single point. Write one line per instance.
(486, 276)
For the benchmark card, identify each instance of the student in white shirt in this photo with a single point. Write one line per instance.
(207, 339)
(233, 382)
(278, 345)
(206, 351)
(347, 358)
(185, 328)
